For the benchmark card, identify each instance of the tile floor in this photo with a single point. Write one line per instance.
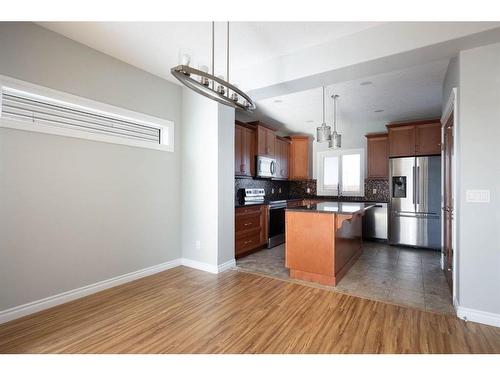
(403, 276)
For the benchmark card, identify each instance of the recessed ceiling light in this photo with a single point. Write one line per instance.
(365, 83)
(278, 101)
(379, 110)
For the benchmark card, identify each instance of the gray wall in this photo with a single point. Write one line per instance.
(451, 80)
(479, 136)
(74, 212)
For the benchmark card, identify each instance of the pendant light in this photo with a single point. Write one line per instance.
(323, 132)
(335, 138)
(213, 87)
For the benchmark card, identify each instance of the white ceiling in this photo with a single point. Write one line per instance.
(413, 93)
(155, 46)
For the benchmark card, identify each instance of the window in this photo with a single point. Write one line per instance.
(34, 108)
(341, 172)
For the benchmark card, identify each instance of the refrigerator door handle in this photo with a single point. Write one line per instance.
(417, 184)
(413, 191)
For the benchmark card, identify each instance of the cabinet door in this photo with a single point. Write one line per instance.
(238, 150)
(402, 141)
(378, 157)
(248, 152)
(285, 156)
(270, 143)
(299, 158)
(428, 140)
(261, 141)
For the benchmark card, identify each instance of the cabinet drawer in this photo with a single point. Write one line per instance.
(249, 242)
(248, 221)
(248, 210)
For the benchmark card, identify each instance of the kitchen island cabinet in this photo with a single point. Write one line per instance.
(323, 240)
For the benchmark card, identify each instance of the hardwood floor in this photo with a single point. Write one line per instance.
(188, 311)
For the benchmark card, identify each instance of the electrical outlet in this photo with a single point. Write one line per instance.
(308, 190)
(198, 244)
(477, 196)
(272, 190)
(374, 191)
(279, 190)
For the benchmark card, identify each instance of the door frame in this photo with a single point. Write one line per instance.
(451, 108)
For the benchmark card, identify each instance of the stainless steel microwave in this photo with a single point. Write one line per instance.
(266, 167)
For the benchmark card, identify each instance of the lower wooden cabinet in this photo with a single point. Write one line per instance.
(251, 228)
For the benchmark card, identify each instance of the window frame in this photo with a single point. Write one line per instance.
(340, 154)
(166, 127)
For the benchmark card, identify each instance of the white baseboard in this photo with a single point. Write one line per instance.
(212, 268)
(45, 303)
(225, 266)
(477, 316)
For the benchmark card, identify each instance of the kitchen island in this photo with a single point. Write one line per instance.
(323, 240)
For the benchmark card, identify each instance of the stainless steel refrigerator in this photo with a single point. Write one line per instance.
(415, 206)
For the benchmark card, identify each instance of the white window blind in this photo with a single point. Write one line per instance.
(44, 111)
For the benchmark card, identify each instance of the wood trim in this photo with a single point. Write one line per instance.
(284, 139)
(413, 123)
(260, 123)
(377, 135)
(245, 125)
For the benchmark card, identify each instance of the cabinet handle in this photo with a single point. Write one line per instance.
(247, 242)
(247, 224)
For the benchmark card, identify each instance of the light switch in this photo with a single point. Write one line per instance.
(272, 190)
(477, 196)
(308, 190)
(374, 191)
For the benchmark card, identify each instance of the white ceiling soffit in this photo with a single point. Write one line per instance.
(408, 94)
(383, 48)
(155, 46)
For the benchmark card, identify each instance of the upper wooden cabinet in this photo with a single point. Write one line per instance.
(378, 155)
(282, 157)
(428, 139)
(299, 157)
(415, 138)
(266, 139)
(244, 150)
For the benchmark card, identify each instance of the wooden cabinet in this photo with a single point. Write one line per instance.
(266, 139)
(299, 157)
(282, 157)
(415, 138)
(250, 228)
(378, 155)
(244, 150)
(402, 141)
(428, 139)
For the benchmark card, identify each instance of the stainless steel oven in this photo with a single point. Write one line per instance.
(276, 223)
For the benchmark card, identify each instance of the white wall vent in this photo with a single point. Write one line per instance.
(81, 118)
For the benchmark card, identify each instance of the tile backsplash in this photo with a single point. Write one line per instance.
(281, 188)
(298, 189)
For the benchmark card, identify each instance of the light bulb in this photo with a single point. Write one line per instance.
(204, 80)
(220, 88)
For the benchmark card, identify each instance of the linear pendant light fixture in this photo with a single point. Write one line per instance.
(210, 86)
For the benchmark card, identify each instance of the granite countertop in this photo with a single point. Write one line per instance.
(345, 208)
(291, 199)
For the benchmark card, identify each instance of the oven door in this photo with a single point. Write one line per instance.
(276, 225)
